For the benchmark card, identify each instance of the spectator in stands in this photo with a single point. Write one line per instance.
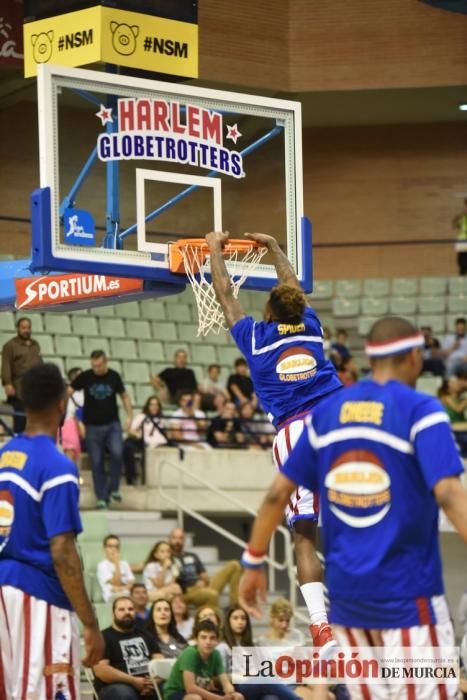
(348, 373)
(160, 572)
(18, 355)
(339, 348)
(211, 388)
(162, 625)
(327, 342)
(114, 574)
(182, 616)
(280, 633)
(188, 424)
(103, 430)
(172, 381)
(148, 430)
(123, 672)
(460, 224)
(206, 612)
(140, 600)
(454, 347)
(225, 429)
(198, 589)
(432, 353)
(240, 386)
(73, 430)
(199, 670)
(259, 434)
(451, 394)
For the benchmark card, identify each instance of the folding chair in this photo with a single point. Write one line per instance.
(160, 668)
(90, 679)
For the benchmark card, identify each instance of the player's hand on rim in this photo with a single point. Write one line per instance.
(217, 238)
(263, 239)
(252, 593)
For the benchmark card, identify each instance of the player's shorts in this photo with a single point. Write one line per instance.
(440, 634)
(303, 504)
(39, 649)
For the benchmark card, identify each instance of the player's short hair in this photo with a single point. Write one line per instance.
(391, 328)
(42, 386)
(205, 626)
(287, 304)
(97, 354)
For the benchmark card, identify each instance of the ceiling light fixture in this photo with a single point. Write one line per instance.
(463, 106)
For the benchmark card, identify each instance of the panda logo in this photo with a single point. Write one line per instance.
(124, 38)
(42, 46)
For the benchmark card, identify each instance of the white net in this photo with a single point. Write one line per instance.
(240, 264)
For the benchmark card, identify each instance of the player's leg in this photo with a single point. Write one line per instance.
(350, 637)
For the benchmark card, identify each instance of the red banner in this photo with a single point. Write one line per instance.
(60, 289)
(11, 32)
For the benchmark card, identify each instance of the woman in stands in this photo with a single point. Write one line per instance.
(148, 429)
(163, 626)
(182, 616)
(160, 573)
(205, 612)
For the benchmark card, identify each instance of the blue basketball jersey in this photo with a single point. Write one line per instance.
(39, 493)
(374, 453)
(287, 364)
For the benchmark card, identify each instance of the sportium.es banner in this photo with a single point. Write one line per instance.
(114, 36)
(60, 289)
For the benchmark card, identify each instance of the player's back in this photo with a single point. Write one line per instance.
(288, 367)
(39, 490)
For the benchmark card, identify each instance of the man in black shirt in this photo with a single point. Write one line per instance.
(173, 381)
(103, 430)
(225, 429)
(240, 386)
(123, 672)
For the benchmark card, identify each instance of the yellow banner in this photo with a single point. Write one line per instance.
(114, 36)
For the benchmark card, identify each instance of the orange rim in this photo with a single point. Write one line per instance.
(176, 263)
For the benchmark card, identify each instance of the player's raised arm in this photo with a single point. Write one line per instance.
(233, 310)
(285, 272)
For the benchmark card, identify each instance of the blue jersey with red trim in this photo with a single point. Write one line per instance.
(287, 364)
(39, 494)
(374, 452)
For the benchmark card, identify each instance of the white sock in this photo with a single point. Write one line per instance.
(313, 593)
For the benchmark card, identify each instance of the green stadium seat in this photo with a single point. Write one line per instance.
(103, 311)
(37, 321)
(345, 307)
(158, 367)
(322, 289)
(374, 306)
(258, 301)
(203, 354)
(365, 323)
(142, 393)
(429, 385)
(96, 590)
(136, 372)
(451, 321)
(432, 305)
(112, 327)
(437, 323)
(95, 527)
(59, 324)
(400, 306)
(180, 312)
(46, 342)
(404, 286)
(164, 331)
(185, 297)
(188, 333)
(227, 356)
(123, 349)
(56, 361)
(7, 322)
(153, 310)
(81, 312)
(222, 339)
(348, 289)
(116, 365)
(375, 287)
(458, 286)
(128, 310)
(91, 344)
(136, 551)
(150, 350)
(92, 552)
(104, 614)
(71, 362)
(433, 286)
(5, 336)
(139, 330)
(84, 325)
(68, 345)
(457, 305)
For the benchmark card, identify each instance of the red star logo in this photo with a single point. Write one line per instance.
(233, 133)
(105, 115)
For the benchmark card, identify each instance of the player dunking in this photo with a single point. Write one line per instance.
(290, 375)
(383, 458)
(41, 579)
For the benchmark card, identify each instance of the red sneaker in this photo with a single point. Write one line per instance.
(323, 640)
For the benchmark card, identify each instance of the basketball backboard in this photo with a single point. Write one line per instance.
(128, 165)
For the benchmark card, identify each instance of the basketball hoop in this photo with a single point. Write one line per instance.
(190, 256)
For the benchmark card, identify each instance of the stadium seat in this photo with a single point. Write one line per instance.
(322, 289)
(451, 321)
(142, 393)
(128, 310)
(180, 312)
(92, 552)
(139, 330)
(171, 349)
(164, 331)
(258, 301)
(136, 372)
(123, 349)
(374, 287)
(401, 306)
(112, 327)
(130, 390)
(374, 306)
(188, 333)
(71, 362)
(68, 345)
(91, 344)
(104, 614)
(116, 365)
(437, 323)
(223, 338)
(59, 324)
(158, 367)
(429, 385)
(432, 305)
(153, 310)
(433, 286)
(458, 286)
(46, 342)
(365, 323)
(84, 325)
(150, 350)
(5, 336)
(342, 307)
(95, 527)
(103, 311)
(228, 355)
(203, 354)
(457, 305)
(136, 551)
(185, 297)
(56, 361)
(37, 322)
(7, 322)
(404, 286)
(348, 289)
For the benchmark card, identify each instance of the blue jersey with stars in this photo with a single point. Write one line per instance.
(287, 364)
(39, 493)
(374, 452)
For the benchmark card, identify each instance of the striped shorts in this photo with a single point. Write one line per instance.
(303, 504)
(39, 649)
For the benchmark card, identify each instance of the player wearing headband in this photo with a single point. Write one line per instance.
(290, 375)
(383, 459)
